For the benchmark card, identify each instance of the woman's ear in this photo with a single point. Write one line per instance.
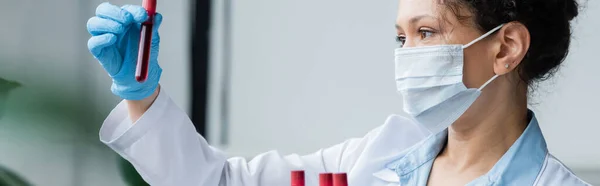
(514, 41)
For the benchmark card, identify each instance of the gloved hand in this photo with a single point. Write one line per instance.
(115, 38)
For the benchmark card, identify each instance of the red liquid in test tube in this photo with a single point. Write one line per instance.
(141, 69)
(340, 179)
(325, 179)
(297, 178)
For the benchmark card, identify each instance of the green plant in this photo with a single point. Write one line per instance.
(10, 178)
(7, 177)
(5, 87)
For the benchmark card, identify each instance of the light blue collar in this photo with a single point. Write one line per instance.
(520, 165)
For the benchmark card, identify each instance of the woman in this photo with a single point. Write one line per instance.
(463, 67)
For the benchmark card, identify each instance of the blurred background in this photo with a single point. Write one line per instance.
(307, 73)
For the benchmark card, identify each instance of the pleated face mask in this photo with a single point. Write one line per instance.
(430, 80)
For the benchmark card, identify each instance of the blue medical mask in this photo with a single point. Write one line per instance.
(430, 80)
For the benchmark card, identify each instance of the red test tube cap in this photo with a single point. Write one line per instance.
(150, 6)
(326, 179)
(340, 179)
(297, 178)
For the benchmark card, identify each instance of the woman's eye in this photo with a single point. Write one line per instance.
(401, 40)
(425, 33)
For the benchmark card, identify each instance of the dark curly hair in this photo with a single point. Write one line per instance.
(548, 22)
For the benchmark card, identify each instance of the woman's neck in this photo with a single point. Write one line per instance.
(476, 143)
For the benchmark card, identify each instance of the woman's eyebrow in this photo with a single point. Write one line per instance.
(416, 19)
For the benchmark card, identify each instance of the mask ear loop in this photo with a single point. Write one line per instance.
(479, 39)
(488, 82)
(483, 36)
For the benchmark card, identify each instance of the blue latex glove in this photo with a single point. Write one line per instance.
(115, 38)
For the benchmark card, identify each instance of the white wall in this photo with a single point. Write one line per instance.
(309, 74)
(568, 104)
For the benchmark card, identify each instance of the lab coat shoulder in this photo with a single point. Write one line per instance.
(554, 172)
(387, 143)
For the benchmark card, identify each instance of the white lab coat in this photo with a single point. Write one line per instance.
(165, 149)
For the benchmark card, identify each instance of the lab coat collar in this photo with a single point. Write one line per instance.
(520, 165)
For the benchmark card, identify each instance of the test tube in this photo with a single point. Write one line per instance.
(325, 179)
(340, 179)
(141, 69)
(297, 178)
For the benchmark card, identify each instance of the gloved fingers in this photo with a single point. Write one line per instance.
(157, 22)
(98, 26)
(115, 13)
(138, 13)
(158, 18)
(102, 47)
(97, 43)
